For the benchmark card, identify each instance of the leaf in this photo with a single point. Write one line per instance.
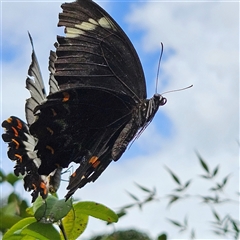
(204, 164)
(205, 176)
(215, 171)
(176, 179)
(162, 237)
(12, 178)
(225, 180)
(185, 221)
(41, 231)
(173, 199)
(38, 203)
(7, 221)
(178, 189)
(53, 210)
(133, 196)
(235, 227)
(10, 209)
(176, 223)
(74, 223)
(121, 214)
(187, 183)
(144, 188)
(18, 227)
(128, 206)
(193, 234)
(96, 210)
(216, 215)
(2, 176)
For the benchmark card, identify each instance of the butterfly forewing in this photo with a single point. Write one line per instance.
(96, 52)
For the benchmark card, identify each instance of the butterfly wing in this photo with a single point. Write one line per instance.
(96, 104)
(96, 52)
(90, 120)
(21, 144)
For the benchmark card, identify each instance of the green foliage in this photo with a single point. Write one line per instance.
(123, 235)
(37, 221)
(19, 221)
(162, 237)
(226, 227)
(28, 228)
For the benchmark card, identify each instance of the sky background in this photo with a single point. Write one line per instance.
(201, 47)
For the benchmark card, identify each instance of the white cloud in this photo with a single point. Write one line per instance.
(204, 118)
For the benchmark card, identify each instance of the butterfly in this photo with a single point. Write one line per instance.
(97, 104)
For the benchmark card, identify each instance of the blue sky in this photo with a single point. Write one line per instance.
(200, 48)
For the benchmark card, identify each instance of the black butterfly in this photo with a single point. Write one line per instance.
(96, 106)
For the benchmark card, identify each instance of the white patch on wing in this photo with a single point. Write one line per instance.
(73, 32)
(105, 22)
(86, 26)
(91, 20)
(37, 162)
(90, 25)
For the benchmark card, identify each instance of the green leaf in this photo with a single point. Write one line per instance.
(74, 223)
(7, 221)
(187, 183)
(128, 206)
(132, 196)
(174, 176)
(203, 164)
(144, 188)
(18, 227)
(162, 237)
(2, 176)
(173, 199)
(185, 221)
(12, 178)
(41, 231)
(205, 176)
(52, 210)
(13, 197)
(96, 210)
(225, 180)
(10, 209)
(176, 223)
(235, 227)
(215, 171)
(121, 214)
(216, 215)
(192, 234)
(23, 207)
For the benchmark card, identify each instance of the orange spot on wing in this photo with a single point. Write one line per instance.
(74, 174)
(43, 186)
(19, 157)
(94, 161)
(53, 112)
(96, 164)
(50, 130)
(19, 124)
(15, 131)
(66, 97)
(9, 120)
(16, 142)
(50, 148)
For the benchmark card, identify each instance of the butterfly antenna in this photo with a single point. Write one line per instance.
(159, 63)
(177, 90)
